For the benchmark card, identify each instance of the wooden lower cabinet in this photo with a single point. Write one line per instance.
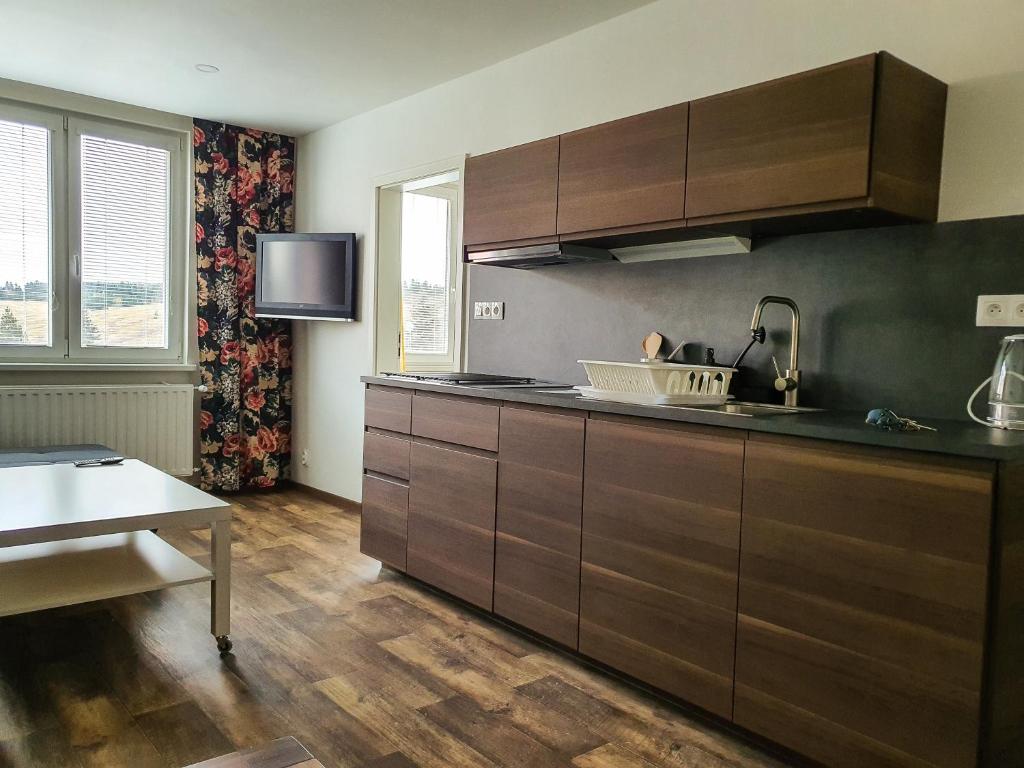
(384, 520)
(862, 599)
(661, 530)
(540, 499)
(451, 521)
(847, 614)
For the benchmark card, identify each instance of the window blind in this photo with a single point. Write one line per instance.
(125, 243)
(425, 274)
(24, 234)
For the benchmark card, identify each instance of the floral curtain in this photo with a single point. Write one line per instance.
(243, 187)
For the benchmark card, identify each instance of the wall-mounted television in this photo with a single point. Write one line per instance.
(306, 276)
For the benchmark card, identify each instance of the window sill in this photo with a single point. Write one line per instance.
(57, 367)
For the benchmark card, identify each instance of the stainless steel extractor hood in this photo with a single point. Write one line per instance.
(531, 256)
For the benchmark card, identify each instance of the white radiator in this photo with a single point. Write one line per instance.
(154, 423)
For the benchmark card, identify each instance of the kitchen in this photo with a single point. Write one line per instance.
(534, 384)
(843, 587)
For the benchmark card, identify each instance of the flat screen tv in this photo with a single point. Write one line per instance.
(306, 276)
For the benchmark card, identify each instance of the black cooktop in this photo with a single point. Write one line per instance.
(465, 378)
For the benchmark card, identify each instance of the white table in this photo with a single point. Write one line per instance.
(71, 535)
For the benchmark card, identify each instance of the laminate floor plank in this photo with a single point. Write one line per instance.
(42, 748)
(184, 734)
(365, 667)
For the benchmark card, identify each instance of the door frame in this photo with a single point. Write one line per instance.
(385, 325)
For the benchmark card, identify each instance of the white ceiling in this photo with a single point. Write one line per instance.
(285, 66)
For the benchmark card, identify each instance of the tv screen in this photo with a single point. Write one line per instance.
(306, 276)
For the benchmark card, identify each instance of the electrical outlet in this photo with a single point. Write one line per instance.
(488, 310)
(1000, 310)
(304, 460)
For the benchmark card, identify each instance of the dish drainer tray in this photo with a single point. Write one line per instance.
(658, 382)
(647, 398)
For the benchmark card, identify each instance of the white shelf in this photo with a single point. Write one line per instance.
(34, 577)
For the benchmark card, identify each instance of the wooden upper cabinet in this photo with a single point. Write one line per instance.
(511, 196)
(661, 536)
(623, 173)
(862, 600)
(862, 134)
(797, 140)
(909, 125)
(853, 144)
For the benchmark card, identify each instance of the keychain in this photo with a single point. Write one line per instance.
(883, 418)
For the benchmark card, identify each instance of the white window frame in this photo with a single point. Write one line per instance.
(66, 130)
(386, 286)
(425, 362)
(54, 124)
(177, 253)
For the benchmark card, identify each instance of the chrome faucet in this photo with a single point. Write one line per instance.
(790, 381)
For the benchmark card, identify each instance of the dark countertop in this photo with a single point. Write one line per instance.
(953, 438)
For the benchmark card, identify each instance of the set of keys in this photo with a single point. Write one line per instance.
(883, 418)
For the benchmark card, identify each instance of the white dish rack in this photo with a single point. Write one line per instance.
(657, 383)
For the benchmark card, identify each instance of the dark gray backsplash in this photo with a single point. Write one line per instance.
(887, 314)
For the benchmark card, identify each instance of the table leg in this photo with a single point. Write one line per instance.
(220, 588)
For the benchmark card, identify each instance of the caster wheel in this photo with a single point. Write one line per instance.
(224, 644)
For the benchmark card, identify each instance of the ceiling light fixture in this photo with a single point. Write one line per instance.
(207, 68)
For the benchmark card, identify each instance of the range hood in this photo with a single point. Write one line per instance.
(531, 256)
(723, 245)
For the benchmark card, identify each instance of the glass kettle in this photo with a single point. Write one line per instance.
(1006, 391)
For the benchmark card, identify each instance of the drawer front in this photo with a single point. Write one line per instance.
(661, 534)
(540, 499)
(451, 522)
(384, 521)
(458, 420)
(862, 602)
(389, 409)
(386, 455)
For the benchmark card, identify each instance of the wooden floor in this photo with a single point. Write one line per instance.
(364, 667)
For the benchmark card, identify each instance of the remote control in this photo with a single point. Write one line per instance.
(104, 462)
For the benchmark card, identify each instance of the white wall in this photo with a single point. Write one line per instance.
(664, 53)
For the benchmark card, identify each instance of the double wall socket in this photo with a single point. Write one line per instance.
(1000, 310)
(488, 310)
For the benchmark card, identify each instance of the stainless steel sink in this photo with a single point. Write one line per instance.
(749, 409)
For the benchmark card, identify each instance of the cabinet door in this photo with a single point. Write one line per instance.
(661, 526)
(789, 142)
(540, 499)
(382, 530)
(451, 521)
(627, 172)
(511, 195)
(862, 602)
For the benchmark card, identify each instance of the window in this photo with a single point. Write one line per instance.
(427, 268)
(419, 273)
(100, 278)
(25, 234)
